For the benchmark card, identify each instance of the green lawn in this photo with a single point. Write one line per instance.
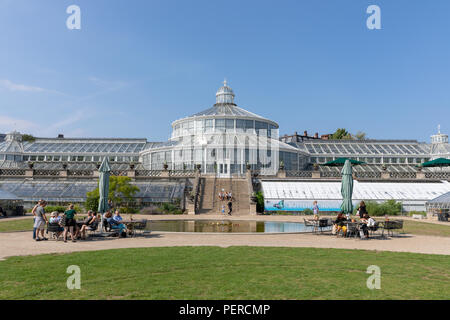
(11, 225)
(226, 273)
(16, 225)
(427, 229)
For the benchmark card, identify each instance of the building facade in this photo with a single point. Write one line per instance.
(223, 140)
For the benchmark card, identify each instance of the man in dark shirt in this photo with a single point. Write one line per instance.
(230, 207)
(2, 212)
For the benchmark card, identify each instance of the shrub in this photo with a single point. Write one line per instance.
(308, 211)
(151, 210)
(60, 209)
(170, 208)
(259, 201)
(423, 213)
(390, 207)
(128, 210)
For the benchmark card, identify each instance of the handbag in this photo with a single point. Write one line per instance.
(63, 220)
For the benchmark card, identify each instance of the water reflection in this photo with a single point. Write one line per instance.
(225, 226)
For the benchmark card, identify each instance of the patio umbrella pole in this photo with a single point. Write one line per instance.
(103, 188)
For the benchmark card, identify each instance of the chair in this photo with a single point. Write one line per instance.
(140, 226)
(92, 229)
(324, 224)
(352, 230)
(374, 228)
(53, 229)
(310, 223)
(389, 226)
(106, 225)
(398, 225)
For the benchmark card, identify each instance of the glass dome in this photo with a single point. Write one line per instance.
(225, 94)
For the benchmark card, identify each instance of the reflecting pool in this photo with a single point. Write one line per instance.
(226, 226)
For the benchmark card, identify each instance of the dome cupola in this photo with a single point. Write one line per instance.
(225, 94)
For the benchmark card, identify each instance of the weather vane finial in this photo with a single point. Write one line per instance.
(225, 82)
(439, 129)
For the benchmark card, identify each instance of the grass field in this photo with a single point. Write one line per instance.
(16, 225)
(426, 229)
(226, 273)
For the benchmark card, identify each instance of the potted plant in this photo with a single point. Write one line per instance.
(30, 165)
(384, 167)
(184, 167)
(132, 165)
(281, 165)
(165, 165)
(248, 166)
(199, 166)
(65, 166)
(316, 166)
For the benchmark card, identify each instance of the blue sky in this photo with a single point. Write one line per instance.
(309, 65)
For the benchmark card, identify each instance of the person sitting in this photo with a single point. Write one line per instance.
(89, 222)
(339, 224)
(115, 225)
(56, 219)
(364, 226)
(117, 216)
(2, 212)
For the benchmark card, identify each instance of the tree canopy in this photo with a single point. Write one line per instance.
(28, 137)
(343, 134)
(120, 190)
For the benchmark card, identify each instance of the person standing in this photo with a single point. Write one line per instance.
(316, 210)
(70, 224)
(362, 209)
(2, 212)
(230, 207)
(40, 221)
(33, 211)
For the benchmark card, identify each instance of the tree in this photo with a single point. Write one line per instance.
(341, 134)
(28, 137)
(120, 190)
(360, 135)
(259, 202)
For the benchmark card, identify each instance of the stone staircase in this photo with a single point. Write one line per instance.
(210, 202)
(206, 195)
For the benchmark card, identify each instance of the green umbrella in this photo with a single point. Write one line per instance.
(103, 187)
(341, 162)
(439, 162)
(347, 188)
